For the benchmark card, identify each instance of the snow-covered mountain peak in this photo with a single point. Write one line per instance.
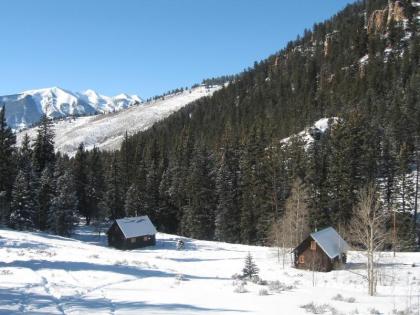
(26, 108)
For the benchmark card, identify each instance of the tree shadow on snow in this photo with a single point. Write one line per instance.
(12, 301)
(36, 265)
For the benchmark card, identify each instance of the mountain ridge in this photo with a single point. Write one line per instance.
(26, 108)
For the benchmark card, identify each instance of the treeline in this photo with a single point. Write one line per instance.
(44, 190)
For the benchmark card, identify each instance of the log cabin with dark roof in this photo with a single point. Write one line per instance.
(324, 250)
(131, 233)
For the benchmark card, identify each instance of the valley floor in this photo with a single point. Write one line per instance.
(46, 274)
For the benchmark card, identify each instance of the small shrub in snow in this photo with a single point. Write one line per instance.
(255, 279)
(316, 309)
(5, 272)
(237, 276)
(263, 292)
(250, 269)
(181, 277)
(94, 256)
(240, 289)
(262, 282)
(339, 297)
(403, 312)
(374, 311)
(120, 262)
(277, 286)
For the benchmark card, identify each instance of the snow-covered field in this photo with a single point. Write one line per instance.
(106, 131)
(46, 274)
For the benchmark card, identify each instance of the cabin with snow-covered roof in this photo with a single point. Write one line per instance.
(130, 233)
(324, 250)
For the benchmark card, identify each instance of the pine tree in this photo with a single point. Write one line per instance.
(114, 195)
(7, 164)
(198, 219)
(169, 214)
(250, 270)
(43, 148)
(227, 211)
(44, 198)
(132, 202)
(62, 217)
(23, 207)
(80, 175)
(96, 186)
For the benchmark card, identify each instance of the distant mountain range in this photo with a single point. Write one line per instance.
(107, 131)
(26, 108)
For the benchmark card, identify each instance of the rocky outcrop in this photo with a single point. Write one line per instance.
(377, 21)
(396, 12)
(380, 19)
(328, 43)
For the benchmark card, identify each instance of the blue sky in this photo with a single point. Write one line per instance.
(143, 47)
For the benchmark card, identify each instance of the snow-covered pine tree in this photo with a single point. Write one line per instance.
(96, 186)
(168, 212)
(132, 201)
(62, 217)
(44, 198)
(23, 205)
(7, 164)
(250, 269)
(227, 211)
(80, 174)
(114, 198)
(43, 148)
(198, 219)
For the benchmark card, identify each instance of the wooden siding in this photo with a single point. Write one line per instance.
(312, 259)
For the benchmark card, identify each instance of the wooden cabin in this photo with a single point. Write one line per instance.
(324, 250)
(130, 233)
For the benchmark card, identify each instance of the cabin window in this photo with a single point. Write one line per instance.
(133, 240)
(313, 245)
(301, 259)
(146, 238)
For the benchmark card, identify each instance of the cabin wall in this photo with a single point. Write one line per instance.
(312, 259)
(138, 242)
(315, 260)
(117, 239)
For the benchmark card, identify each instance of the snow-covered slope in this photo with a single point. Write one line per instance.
(310, 134)
(107, 131)
(46, 274)
(25, 109)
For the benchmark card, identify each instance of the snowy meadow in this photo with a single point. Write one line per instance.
(46, 274)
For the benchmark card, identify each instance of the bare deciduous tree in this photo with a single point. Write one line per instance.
(368, 231)
(293, 226)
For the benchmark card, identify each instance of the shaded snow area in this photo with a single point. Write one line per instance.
(310, 134)
(46, 274)
(107, 131)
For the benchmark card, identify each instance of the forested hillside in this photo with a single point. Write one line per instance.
(217, 169)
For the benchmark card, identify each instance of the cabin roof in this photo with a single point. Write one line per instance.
(136, 226)
(330, 242)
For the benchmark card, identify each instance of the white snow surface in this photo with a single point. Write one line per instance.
(136, 226)
(320, 126)
(47, 274)
(330, 242)
(107, 131)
